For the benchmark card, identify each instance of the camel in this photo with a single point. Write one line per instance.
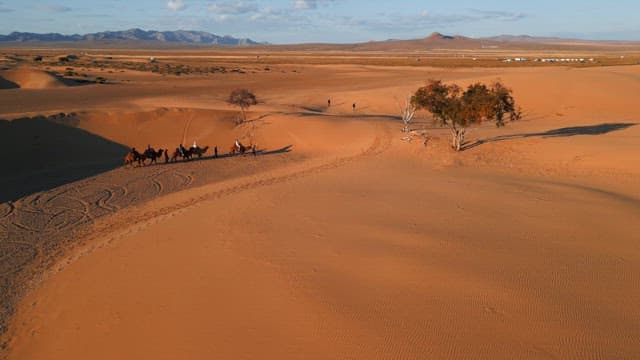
(152, 155)
(130, 158)
(134, 156)
(243, 149)
(188, 153)
(198, 151)
(176, 155)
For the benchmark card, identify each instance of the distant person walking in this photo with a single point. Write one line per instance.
(215, 152)
(354, 106)
(329, 103)
(166, 156)
(253, 150)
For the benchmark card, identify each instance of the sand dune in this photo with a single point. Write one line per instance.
(52, 151)
(6, 84)
(27, 78)
(340, 240)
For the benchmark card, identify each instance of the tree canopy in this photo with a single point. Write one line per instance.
(459, 109)
(242, 98)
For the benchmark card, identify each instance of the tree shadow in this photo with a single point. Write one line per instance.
(599, 129)
(42, 153)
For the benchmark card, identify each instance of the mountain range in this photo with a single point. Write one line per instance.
(179, 36)
(437, 41)
(183, 38)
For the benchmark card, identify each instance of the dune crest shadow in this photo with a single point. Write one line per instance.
(40, 153)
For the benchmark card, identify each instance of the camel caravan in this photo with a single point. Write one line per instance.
(180, 152)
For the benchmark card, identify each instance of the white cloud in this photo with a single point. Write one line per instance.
(176, 5)
(402, 23)
(305, 4)
(310, 4)
(53, 8)
(233, 7)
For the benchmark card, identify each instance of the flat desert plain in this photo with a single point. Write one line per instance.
(339, 238)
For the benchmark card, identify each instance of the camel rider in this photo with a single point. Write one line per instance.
(182, 150)
(238, 145)
(149, 152)
(194, 146)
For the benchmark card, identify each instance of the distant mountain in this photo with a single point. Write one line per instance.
(436, 36)
(525, 39)
(179, 36)
(434, 41)
(437, 41)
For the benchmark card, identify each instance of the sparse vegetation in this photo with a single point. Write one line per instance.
(458, 110)
(407, 111)
(244, 99)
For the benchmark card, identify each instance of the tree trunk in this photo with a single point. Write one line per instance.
(457, 137)
(408, 111)
(244, 116)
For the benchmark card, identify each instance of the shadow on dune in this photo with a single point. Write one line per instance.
(599, 129)
(71, 82)
(315, 109)
(311, 112)
(6, 84)
(41, 153)
(259, 152)
(210, 156)
(354, 115)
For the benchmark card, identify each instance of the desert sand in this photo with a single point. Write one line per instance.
(339, 239)
(26, 78)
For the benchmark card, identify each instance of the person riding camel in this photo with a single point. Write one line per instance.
(150, 152)
(182, 150)
(194, 146)
(238, 145)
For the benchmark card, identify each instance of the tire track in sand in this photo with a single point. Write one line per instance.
(80, 212)
(186, 179)
(22, 252)
(381, 142)
(7, 210)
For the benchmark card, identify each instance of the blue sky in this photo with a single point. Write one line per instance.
(338, 21)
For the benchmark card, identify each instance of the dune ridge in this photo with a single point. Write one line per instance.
(28, 78)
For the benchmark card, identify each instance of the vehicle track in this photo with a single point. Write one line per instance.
(6, 209)
(186, 179)
(36, 229)
(380, 143)
(22, 253)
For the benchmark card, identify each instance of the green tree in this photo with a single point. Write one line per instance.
(244, 99)
(459, 109)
